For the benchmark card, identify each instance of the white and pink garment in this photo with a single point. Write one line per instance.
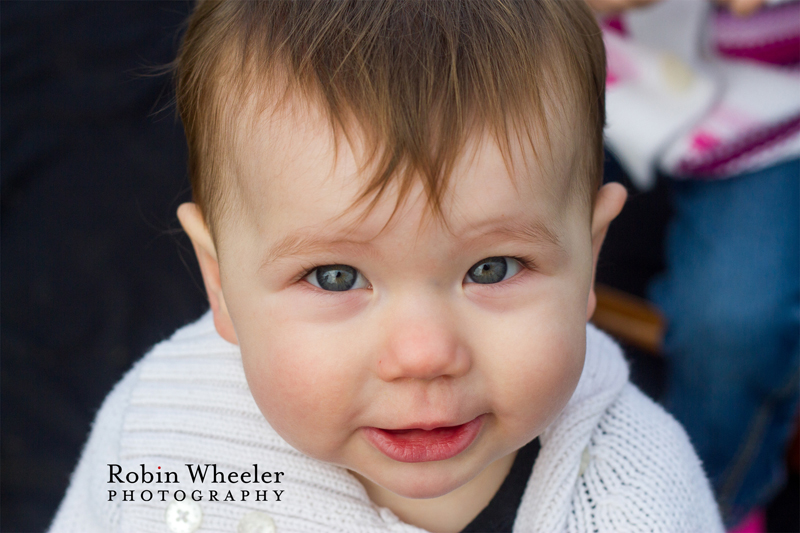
(700, 93)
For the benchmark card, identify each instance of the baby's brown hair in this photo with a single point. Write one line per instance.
(416, 77)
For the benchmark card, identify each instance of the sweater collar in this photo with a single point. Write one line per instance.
(565, 442)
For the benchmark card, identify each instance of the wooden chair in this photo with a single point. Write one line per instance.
(631, 319)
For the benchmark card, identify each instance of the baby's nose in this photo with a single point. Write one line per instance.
(424, 348)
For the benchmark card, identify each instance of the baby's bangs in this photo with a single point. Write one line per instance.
(416, 79)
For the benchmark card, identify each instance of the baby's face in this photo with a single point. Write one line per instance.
(414, 355)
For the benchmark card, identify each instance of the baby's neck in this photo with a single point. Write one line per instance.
(449, 513)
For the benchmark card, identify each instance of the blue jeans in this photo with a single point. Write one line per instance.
(731, 295)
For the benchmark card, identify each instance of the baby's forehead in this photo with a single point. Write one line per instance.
(296, 198)
(276, 147)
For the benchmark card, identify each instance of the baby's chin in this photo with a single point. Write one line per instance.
(415, 483)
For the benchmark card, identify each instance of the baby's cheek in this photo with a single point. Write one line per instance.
(300, 400)
(281, 390)
(543, 377)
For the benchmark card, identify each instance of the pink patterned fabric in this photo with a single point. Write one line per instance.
(719, 160)
(772, 35)
(615, 24)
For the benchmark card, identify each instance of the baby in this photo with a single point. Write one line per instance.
(397, 213)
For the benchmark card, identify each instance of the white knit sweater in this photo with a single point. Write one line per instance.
(613, 461)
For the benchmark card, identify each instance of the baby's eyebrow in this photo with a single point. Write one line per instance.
(303, 243)
(525, 231)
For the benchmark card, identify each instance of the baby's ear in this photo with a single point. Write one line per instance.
(607, 205)
(195, 226)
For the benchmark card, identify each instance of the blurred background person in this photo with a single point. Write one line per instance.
(709, 96)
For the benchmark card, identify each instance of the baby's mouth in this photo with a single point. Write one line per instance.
(421, 445)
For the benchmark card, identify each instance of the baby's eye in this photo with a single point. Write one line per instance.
(337, 278)
(492, 270)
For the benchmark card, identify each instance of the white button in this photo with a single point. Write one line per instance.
(388, 516)
(184, 517)
(256, 522)
(677, 75)
(585, 460)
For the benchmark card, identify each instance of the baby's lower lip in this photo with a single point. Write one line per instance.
(419, 445)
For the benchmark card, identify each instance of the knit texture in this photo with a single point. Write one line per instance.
(612, 461)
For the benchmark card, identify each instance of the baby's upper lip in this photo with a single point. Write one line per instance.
(427, 426)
